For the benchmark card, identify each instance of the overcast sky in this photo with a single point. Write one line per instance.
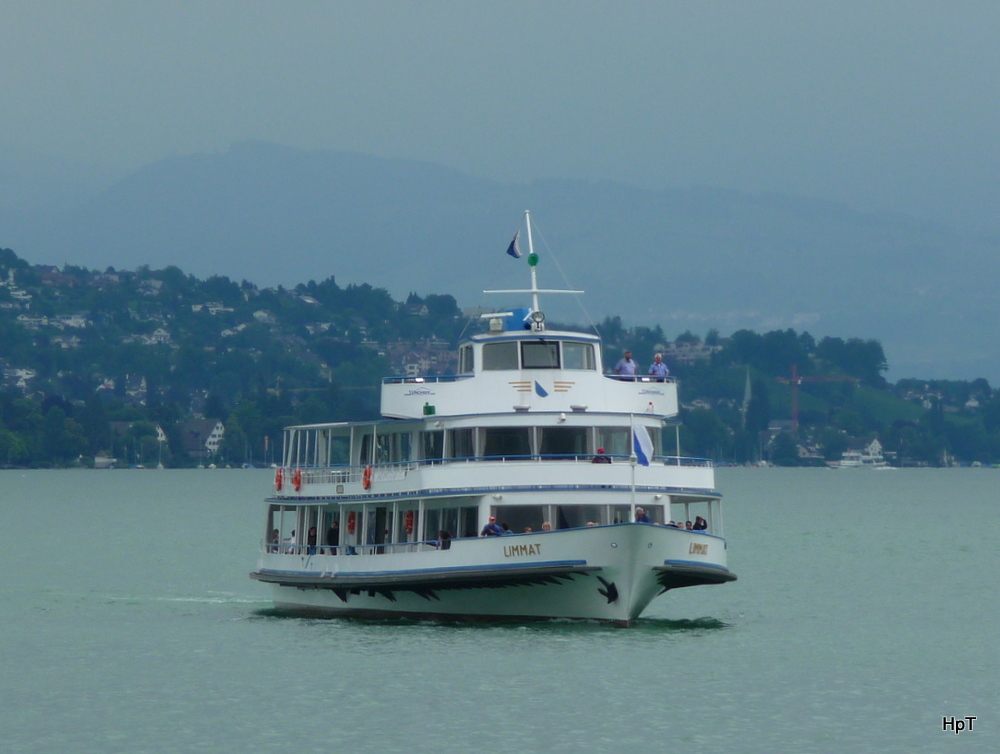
(885, 105)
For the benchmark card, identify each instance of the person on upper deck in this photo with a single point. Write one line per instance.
(311, 541)
(641, 517)
(626, 367)
(491, 529)
(659, 367)
(700, 524)
(601, 457)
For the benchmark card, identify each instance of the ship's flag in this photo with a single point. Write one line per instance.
(642, 445)
(514, 250)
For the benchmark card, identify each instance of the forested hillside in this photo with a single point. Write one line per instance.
(130, 365)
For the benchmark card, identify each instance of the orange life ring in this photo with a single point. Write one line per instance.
(279, 478)
(409, 522)
(351, 522)
(297, 479)
(366, 478)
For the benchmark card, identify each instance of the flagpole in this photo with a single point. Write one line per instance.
(632, 461)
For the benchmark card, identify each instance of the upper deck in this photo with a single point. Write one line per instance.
(528, 370)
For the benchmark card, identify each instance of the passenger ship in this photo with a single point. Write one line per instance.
(396, 518)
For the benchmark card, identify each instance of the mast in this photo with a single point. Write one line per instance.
(534, 290)
(532, 263)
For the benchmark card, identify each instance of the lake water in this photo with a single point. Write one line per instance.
(865, 612)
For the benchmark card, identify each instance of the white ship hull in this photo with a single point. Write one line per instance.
(606, 573)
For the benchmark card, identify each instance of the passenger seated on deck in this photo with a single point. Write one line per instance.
(311, 541)
(546, 526)
(600, 457)
(505, 528)
(641, 517)
(444, 540)
(700, 524)
(491, 529)
(688, 526)
(673, 524)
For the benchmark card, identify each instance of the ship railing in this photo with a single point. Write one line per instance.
(638, 378)
(372, 548)
(396, 472)
(425, 380)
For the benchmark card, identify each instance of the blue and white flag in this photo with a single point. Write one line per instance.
(642, 445)
(514, 250)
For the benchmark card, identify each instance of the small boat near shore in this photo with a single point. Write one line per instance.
(530, 485)
(869, 457)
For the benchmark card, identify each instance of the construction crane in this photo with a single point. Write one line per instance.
(796, 380)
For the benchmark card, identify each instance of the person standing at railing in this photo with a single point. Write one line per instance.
(626, 367)
(333, 537)
(659, 367)
(311, 541)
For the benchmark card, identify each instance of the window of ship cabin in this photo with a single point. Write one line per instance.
(432, 445)
(500, 355)
(466, 361)
(383, 449)
(614, 440)
(540, 355)
(468, 521)
(574, 516)
(579, 356)
(563, 441)
(366, 450)
(340, 450)
(520, 517)
(463, 443)
(506, 442)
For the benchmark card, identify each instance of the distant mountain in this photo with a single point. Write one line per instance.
(687, 259)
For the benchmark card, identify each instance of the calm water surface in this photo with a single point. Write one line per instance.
(865, 611)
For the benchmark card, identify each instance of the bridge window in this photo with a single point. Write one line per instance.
(540, 355)
(466, 361)
(500, 355)
(579, 356)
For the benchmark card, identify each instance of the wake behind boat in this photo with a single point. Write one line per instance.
(527, 486)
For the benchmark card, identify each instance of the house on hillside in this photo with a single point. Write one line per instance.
(201, 437)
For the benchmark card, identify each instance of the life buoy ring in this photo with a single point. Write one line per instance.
(351, 522)
(409, 522)
(297, 479)
(279, 479)
(366, 478)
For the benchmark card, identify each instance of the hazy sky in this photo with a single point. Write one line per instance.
(886, 105)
